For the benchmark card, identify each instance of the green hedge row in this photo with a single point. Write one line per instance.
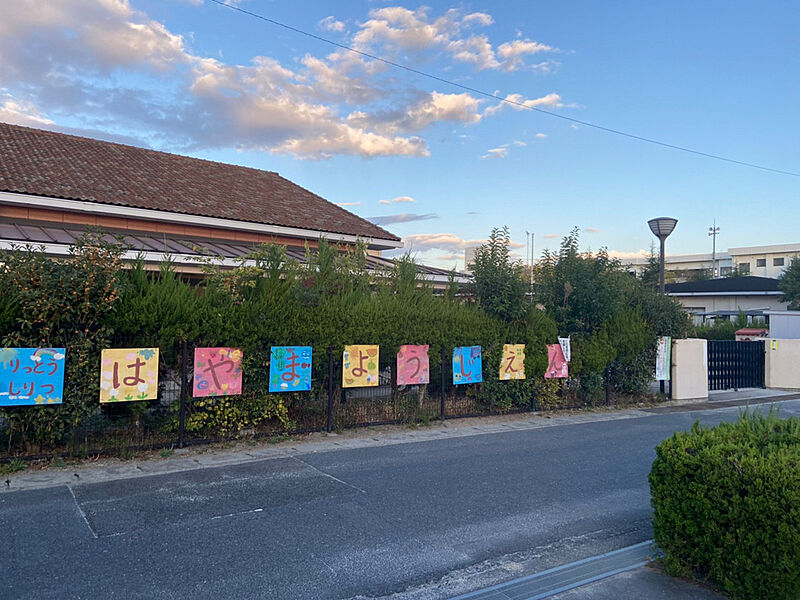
(726, 504)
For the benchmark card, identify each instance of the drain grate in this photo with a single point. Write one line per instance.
(566, 577)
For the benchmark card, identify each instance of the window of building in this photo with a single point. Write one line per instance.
(744, 267)
(777, 262)
(761, 262)
(725, 270)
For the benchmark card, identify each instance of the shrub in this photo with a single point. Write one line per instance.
(66, 302)
(726, 504)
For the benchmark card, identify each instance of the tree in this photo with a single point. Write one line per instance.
(499, 282)
(652, 270)
(789, 284)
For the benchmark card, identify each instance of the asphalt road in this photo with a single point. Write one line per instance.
(423, 520)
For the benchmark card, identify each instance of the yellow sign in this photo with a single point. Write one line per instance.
(360, 366)
(129, 374)
(512, 365)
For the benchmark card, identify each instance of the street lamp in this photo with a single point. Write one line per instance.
(661, 228)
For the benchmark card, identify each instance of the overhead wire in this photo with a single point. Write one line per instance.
(493, 96)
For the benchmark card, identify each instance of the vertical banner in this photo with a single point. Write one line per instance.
(31, 376)
(217, 372)
(467, 365)
(413, 367)
(128, 374)
(557, 367)
(512, 365)
(566, 348)
(663, 358)
(290, 369)
(360, 366)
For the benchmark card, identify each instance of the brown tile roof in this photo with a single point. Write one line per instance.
(44, 163)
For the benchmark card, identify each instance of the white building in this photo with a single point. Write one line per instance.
(762, 261)
(725, 298)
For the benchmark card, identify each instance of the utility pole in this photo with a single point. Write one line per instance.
(713, 232)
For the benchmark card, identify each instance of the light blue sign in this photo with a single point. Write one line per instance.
(30, 376)
(467, 365)
(290, 369)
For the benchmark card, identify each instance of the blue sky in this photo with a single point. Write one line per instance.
(434, 164)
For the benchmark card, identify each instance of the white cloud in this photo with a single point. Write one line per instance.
(550, 236)
(500, 152)
(517, 102)
(623, 255)
(347, 203)
(439, 241)
(110, 67)
(401, 218)
(331, 24)
(591, 230)
(397, 200)
(541, 136)
(519, 143)
(21, 113)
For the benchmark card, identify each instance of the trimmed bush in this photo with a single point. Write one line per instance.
(726, 504)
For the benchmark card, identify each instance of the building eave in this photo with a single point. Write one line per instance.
(96, 208)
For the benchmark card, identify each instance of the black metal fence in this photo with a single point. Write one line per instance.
(735, 365)
(171, 420)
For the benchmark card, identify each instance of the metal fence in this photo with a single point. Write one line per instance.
(124, 428)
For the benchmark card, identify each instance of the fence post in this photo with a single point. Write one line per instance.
(607, 378)
(443, 380)
(184, 390)
(331, 374)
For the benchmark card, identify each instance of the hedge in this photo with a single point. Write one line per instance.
(726, 504)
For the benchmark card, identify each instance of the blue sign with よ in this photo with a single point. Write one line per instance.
(467, 365)
(30, 376)
(290, 369)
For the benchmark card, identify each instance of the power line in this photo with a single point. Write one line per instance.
(499, 98)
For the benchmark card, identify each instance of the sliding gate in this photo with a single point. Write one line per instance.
(735, 364)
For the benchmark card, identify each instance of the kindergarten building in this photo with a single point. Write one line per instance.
(53, 185)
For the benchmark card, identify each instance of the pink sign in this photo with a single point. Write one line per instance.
(412, 365)
(217, 372)
(557, 366)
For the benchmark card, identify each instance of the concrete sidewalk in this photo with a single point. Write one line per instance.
(198, 457)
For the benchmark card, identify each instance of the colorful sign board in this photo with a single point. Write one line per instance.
(30, 376)
(663, 358)
(413, 367)
(290, 369)
(512, 365)
(467, 365)
(128, 374)
(360, 366)
(217, 372)
(557, 366)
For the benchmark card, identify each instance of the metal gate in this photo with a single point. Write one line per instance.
(735, 364)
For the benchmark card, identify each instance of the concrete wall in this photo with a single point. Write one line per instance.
(782, 364)
(689, 369)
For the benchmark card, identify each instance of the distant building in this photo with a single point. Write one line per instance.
(725, 298)
(762, 261)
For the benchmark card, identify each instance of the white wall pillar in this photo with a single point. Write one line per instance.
(782, 364)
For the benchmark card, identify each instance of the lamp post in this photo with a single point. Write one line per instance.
(661, 228)
(713, 232)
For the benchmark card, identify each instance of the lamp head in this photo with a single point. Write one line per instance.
(662, 226)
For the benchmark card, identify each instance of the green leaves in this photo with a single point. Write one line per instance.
(726, 504)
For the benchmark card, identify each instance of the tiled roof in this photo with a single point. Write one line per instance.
(733, 285)
(56, 165)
